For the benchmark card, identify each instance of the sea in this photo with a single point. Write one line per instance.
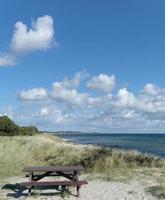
(145, 143)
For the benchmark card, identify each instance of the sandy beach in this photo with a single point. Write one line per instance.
(95, 190)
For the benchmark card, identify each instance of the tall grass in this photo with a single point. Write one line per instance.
(17, 152)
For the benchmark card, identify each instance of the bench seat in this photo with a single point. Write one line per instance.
(31, 184)
(54, 183)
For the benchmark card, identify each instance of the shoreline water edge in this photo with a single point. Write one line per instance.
(153, 144)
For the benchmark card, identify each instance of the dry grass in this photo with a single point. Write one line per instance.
(17, 152)
(100, 163)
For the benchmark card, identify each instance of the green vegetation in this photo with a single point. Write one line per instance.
(43, 149)
(104, 163)
(9, 128)
(158, 190)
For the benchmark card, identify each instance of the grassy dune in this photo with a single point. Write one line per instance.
(17, 152)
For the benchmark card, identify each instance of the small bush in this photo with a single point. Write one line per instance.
(31, 130)
(91, 156)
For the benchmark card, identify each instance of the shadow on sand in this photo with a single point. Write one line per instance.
(17, 191)
(157, 191)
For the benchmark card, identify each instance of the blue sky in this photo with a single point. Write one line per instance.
(83, 65)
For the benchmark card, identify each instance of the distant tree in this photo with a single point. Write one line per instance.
(9, 128)
(30, 130)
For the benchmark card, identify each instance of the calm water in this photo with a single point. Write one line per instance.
(148, 143)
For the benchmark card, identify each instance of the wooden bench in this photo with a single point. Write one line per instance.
(70, 172)
(78, 184)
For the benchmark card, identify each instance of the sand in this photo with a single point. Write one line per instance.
(95, 190)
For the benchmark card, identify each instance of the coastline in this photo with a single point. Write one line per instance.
(107, 170)
(152, 144)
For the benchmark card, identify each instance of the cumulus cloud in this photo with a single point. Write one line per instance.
(125, 98)
(62, 91)
(66, 106)
(69, 96)
(151, 89)
(39, 37)
(102, 82)
(74, 83)
(44, 112)
(7, 60)
(53, 114)
(33, 94)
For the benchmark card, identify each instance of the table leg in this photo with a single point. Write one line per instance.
(29, 192)
(78, 191)
(76, 178)
(30, 179)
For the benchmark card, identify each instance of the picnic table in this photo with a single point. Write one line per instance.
(71, 173)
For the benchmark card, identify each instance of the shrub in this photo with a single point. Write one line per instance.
(91, 156)
(31, 130)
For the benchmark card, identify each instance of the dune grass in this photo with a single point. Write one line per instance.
(17, 152)
(159, 189)
(105, 163)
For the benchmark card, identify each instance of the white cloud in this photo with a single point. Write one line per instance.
(39, 37)
(7, 60)
(48, 111)
(125, 98)
(151, 89)
(33, 94)
(102, 82)
(67, 107)
(69, 96)
(53, 114)
(130, 114)
(74, 83)
(44, 112)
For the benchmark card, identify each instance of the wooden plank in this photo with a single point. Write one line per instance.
(40, 176)
(54, 183)
(54, 168)
(54, 174)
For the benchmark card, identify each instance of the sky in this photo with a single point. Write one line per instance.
(80, 65)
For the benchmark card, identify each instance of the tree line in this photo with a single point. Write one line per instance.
(9, 128)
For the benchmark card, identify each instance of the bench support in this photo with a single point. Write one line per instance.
(30, 179)
(78, 191)
(29, 192)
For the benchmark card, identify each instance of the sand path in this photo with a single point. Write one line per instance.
(95, 190)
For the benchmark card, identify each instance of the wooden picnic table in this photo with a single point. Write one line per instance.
(69, 172)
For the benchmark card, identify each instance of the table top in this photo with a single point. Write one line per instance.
(54, 169)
